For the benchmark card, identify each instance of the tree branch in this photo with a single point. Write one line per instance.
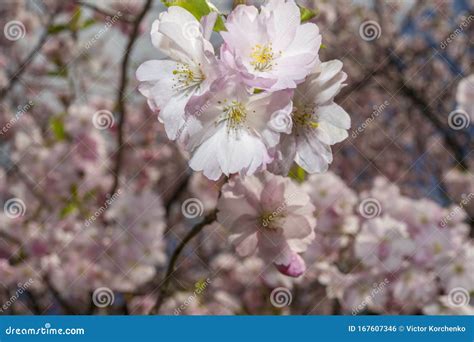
(103, 12)
(69, 309)
(425, 109)
(121, 110)
(24, 64)
(163, 291)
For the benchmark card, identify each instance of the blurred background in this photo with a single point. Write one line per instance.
(93, 191)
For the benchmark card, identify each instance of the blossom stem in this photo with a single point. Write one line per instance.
(163, 291)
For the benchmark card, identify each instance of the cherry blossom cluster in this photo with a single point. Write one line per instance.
(77, 219)
(377, 251)
(265, 101)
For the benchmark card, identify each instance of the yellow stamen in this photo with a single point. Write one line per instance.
(186, 77)
(262, 57)
(305, 117)
(235, 114)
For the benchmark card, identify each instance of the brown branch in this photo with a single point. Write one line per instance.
(121, 110)
(24, 64)
(31, 187)
(103, 12)
(426, 111)
(69, 309)
(163, 291)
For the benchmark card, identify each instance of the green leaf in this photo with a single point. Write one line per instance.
(297, 173)
(88, 22)
(198, 8)
(306, 14)
(219, 26)
(68, 209)
(61, 72)
(55, 29)
(57, 126)
(74, 23)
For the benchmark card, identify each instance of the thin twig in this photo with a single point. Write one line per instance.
(163, 291)
(426, 111)
(103, 12)
(59, 298)
(182, 186)
(24, 64)
(121, 110)
(31, 187)
(35, 306)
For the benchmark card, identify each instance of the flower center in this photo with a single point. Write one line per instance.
(234, 113)
(262, 57)
(305, 116)
(185, 76)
